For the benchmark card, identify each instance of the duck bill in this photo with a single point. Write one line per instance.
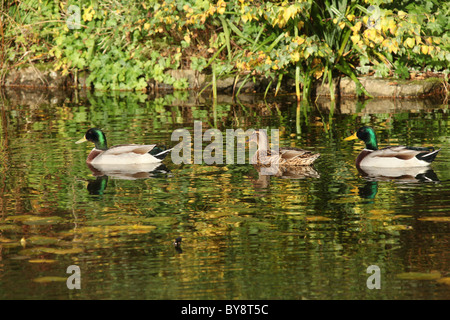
(81, 140)
(352, 137)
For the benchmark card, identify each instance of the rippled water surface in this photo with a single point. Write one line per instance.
(308, 235)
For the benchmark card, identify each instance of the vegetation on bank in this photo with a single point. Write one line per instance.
(125, 45)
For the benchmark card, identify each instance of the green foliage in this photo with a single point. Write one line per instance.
(124, 45)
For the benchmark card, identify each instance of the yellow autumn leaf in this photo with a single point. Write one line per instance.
(370, 34)
(274, 65)
(373, 35)
(295, 56)
(424, 49)
(316, 61)
(246, 17)
(401, 14)
(88, 14)
(221, 6)
(418, 40)
(392, 26)
(290, 12)
(356, 27)
(394, 46)
(409, 42)
(391, 45)
(355, 38)
(378, 39)
(318, 73)
(365, 20)
(298, 40)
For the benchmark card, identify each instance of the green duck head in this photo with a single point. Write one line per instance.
(366, 134)
(97, 137)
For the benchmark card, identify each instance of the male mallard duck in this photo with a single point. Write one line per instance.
(284, 157)
(120, 154)
(390, 157)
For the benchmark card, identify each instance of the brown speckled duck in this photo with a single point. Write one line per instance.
(283, 157)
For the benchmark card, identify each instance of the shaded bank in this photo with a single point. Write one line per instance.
(34, 97)
(33, 77)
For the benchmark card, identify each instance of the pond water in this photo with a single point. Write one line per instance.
(310, 235)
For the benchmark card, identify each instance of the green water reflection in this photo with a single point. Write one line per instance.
(307, 235)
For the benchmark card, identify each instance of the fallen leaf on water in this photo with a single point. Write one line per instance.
(19, 217)
(317, 218)
(434, 275)
(435, 219)
(42, 240)
(160, 220)
(3, 239)
(41, 261)
(445, 280)
(401, 216)
(9, 227)
(381, 211)
(49, 279)
(36, 220)
(31, 251)
(399, 227)
(112, 229)
(62, 251)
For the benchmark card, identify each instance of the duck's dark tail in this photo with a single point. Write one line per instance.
(429, 156)
(159, 152)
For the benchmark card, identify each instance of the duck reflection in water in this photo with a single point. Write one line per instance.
(177, 245)
(282, 172)
(97, 187)
(399, 175)
(128, 172)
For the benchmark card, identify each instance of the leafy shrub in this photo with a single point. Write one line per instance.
(123, 44)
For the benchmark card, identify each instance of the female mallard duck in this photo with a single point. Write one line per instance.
(121, 154)
(390, 157)
(283, 157)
